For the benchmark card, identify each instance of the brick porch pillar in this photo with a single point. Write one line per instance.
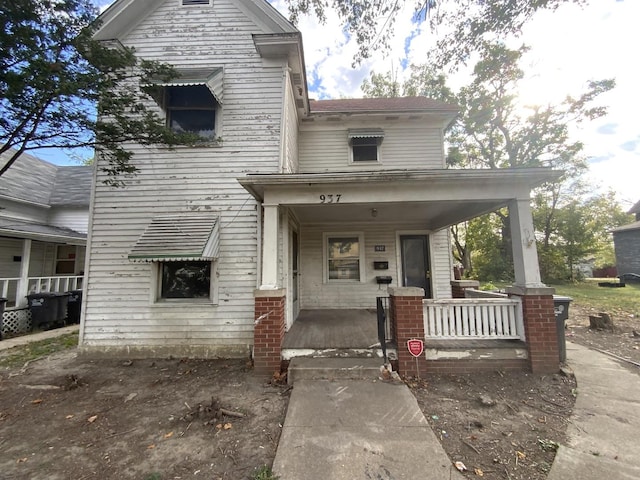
(408, 319)
(539, 327)
(458, 287)
(269, 330)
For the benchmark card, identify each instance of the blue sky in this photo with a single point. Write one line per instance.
(568, 47)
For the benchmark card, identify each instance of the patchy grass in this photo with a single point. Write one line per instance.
(606, 299)
(24, 353)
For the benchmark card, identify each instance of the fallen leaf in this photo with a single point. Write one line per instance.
(36, 401)
(68, 417)
(227, 426)
(219, 426)
(168, 435)
(460, 466)
(22, 460)
(151, 447)
(92, 419)
(478, 472)
(520, 454)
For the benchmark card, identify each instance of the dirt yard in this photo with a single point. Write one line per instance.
(62, 417)
(66, 418)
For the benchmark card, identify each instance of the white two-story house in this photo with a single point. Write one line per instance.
(295, 212)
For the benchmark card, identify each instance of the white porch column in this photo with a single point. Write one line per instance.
(23, 284)
(523, 244)
(270, 248)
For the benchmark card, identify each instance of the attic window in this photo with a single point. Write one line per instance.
(186, 3)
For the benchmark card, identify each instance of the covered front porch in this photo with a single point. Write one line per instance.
(376, 212)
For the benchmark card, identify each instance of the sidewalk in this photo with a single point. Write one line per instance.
(358, 429)
(604, 431)
(7, 343)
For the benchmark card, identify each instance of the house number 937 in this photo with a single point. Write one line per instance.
(330, 198)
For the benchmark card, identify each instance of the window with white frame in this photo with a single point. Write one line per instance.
(185, 280)
(365, 145)
(343, 257)
(186, 3)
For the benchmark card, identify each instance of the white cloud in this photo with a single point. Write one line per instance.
(568, 47)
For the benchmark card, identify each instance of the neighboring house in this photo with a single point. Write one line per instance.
(44, 211)
(294, 209)
(627, 244)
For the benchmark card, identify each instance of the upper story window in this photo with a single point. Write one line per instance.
(195, 2)
(365, 145)
(191, 109)
(192, 101)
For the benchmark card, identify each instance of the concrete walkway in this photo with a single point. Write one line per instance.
(364, 429)
(358, 429)
(7, 343)
(604, 432)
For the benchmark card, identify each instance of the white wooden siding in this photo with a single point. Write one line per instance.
(290, 133)
(405, 145)
(316, 294)
(74, 218)
(118, 310)
(23, 211)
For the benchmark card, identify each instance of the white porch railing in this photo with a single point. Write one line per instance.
(11, 290)
(473, 318)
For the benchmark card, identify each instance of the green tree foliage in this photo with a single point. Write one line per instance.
(494, 130)
(470, 22)
(53, 80)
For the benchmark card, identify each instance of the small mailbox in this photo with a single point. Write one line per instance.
(383, 280)
(381, 265)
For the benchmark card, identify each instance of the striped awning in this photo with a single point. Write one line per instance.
(171, 238)
(366, 133)
(211, 78)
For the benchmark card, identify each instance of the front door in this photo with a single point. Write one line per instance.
(414, 250)
(295, 285)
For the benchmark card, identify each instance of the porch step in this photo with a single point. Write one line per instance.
(328, 368)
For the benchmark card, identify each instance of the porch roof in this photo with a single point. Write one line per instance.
(433, 198)
(36, 231)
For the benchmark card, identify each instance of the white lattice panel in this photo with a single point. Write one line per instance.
(16, 321)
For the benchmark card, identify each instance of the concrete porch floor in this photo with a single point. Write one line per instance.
(333, 328)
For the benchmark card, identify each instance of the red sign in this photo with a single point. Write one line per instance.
(415, 346)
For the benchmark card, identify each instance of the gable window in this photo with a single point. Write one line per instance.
(343, 257)
(191, 109)
(365, 145)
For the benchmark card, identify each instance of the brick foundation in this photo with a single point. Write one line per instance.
(269, 331)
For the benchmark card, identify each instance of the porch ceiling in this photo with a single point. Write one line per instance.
(434, 199)
(430, 215)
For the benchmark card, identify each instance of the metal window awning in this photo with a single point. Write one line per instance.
(211, 78)
(366, 133)
(184, 237)
(375, 134)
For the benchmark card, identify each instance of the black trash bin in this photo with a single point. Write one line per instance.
(2, 303)
(63, 301)
(74, 306)
(561, 309)
(44, 310)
